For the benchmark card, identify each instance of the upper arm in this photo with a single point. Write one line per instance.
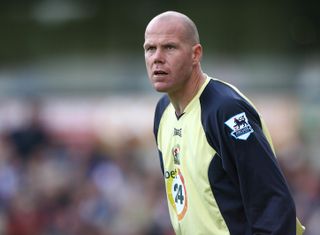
(247, 157)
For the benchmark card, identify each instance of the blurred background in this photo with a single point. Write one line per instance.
(77, 154)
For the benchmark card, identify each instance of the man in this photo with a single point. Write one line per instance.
(220, 171)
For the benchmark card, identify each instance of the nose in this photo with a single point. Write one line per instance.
(158, 56)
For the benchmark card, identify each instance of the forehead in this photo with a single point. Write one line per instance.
(164, 30)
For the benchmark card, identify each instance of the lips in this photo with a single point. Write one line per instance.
(159, 73)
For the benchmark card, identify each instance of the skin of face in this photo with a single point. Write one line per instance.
(170, 57)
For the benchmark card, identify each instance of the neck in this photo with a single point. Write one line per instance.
(181, 98)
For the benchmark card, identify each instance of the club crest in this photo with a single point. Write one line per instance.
(176, 154)
(240, 126)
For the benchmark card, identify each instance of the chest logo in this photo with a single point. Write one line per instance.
(176, 154)
(239, 124)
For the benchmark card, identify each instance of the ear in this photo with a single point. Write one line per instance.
(196, 53)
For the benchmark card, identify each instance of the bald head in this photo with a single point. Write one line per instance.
(183, 22)
(172, 54)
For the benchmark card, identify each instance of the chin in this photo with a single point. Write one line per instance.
(160, 88)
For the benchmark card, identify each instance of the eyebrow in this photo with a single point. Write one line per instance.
(161, 44)
(146, 45)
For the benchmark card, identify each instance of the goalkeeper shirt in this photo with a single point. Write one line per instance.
(221, 174)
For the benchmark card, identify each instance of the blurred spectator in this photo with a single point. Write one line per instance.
(31, 136)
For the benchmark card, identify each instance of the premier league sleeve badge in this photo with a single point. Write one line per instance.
(240, 127)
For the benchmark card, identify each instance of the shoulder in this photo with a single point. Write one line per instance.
(221, 102)
(161, 106)
(220, 99)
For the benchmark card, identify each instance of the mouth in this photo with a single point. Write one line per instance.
(159, 73)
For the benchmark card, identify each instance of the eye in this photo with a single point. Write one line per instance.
(150, 48)
(170, 47)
